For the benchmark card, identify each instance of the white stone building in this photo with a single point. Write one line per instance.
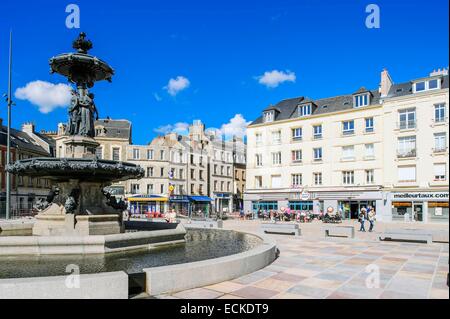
(386, 148)
(190, 173)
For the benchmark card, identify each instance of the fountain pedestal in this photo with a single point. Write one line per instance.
(80, 147)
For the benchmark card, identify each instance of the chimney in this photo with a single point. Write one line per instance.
(61, 129)
(443, 71)
(28, 128)
(196, 130)
(172, 136)
(386, 83)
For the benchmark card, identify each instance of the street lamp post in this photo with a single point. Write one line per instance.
(8, 143)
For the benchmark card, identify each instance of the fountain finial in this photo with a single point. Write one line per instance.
(81, 44)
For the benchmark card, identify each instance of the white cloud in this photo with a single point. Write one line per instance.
(180, 128)
(177, 85)
(274, 78)
(237, 126)
(47, 96)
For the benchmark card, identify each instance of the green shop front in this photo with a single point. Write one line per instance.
(191, 206)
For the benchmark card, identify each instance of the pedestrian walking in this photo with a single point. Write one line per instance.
(372, 218)
(362, 219)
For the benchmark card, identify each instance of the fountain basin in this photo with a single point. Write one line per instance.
(208, 257)
(88, 245)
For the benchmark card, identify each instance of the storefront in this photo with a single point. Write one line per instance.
(264, 206)
(306, 206)
(144, 204)
(300, 201)
(349, 202)
(180, 203)
(420, 206)
(200, 206)
(222, 202)
(438, 212)
(351, 209)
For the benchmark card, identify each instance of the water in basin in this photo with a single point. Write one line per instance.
(200, 245)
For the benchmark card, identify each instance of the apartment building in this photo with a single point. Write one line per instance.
(113, 135)
(354, 150)
(416, 148)
(189, 173)
(25, 191)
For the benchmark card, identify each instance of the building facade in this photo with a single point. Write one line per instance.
(354, 150)
(25, 191)
(192, 173)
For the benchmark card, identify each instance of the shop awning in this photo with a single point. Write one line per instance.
(200, 199)
(151, 198)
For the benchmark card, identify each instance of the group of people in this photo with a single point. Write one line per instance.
(273, 215)
(367, 214)
(170, 216)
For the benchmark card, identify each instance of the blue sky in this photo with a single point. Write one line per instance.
(221, 48)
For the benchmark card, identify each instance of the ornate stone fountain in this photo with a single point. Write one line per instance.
(78, 203)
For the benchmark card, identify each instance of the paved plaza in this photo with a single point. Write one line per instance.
(310, 266)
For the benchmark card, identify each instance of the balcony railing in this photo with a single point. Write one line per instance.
(406, 153)
(440, 149)
(438, 120)
(406, 125)
(348, 132)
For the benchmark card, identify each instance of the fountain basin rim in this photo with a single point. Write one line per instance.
(64, 169)
(174, 278)
(35, 246)
(62, 64)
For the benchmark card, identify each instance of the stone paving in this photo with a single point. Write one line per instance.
(310, 266)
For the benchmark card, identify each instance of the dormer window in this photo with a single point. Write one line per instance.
(304, 110)
(420, 86)
(361, 100)
(269, 116)
(426, 85)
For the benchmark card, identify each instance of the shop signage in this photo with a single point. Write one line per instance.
(305, 196)
(221, 195)
(300, 196)
(421, 196)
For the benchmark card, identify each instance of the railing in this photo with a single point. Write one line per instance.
(406, 154)
(440, 120)
(406, 125)
(441, 149)
(17, 213)
(348, 132)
